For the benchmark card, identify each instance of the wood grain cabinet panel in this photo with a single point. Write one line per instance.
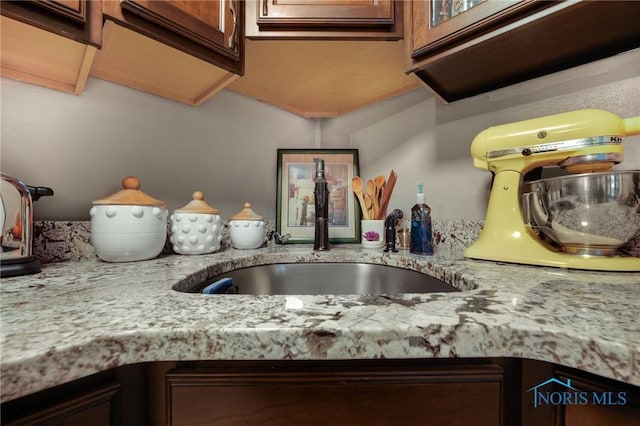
(324, 58)
(280, 395)
(325, 12)
(490, 391)
(212, 24)
(112, 397)
(616, 404)
(96, 407)
(75, 10)
(75, 6)
(498, 43)
(50, 43)
(186, 51)
(323, 78)
(435, 26)
(210, 30)
(323, 19)
(78, 20)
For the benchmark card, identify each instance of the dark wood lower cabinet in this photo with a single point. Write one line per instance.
(290, 393)
(603, 402)
(352, 392)
(114, 397)
(94, 407)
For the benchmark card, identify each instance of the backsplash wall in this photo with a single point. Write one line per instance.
(82, 146)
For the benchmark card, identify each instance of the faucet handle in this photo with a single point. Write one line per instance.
(319, 168)
(281, 239)
(395, 215)
(390, 230)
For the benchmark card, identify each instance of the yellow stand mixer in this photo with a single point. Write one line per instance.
(582, 141)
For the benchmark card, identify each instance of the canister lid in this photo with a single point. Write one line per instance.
(246, 214)
(197, 205)
(130, 194)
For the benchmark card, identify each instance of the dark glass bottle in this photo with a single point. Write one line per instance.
(321, 196)
(421, 235)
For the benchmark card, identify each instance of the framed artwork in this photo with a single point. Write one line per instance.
(295, 213)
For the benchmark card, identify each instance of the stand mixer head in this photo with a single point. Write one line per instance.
(582, 141)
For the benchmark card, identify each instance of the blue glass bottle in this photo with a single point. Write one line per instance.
(421, 235)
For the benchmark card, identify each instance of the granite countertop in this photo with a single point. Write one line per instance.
(79, 317)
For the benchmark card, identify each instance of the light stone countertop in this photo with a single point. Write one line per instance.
(79, 317)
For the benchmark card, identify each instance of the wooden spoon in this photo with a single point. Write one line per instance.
(388, 189)
(371, 192)
(379, 182)
(368, 204)
(356, 186)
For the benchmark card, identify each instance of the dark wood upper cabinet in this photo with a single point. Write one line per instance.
(209, 30)
(486, 44)
(75, 10)
(78, 20)
(325, 19)
(439, 24)
(212, 24)
(186, 51)
(50, 43)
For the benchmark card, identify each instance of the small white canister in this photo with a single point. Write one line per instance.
(196, 227)
(246, 229)
(129, 225)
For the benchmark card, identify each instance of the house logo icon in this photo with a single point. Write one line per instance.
(540, 397)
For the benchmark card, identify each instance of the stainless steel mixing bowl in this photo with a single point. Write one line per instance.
(591, 213)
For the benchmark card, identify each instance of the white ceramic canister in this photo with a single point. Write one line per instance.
(195, 228)
(246, 229)
(129, 225)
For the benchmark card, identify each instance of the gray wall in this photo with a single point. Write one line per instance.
(82, 146)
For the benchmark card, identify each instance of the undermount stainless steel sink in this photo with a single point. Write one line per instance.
(324, 278)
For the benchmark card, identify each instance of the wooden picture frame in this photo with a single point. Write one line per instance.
(295, 204)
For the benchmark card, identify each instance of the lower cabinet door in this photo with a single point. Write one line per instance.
(95, 407)
(602, 402)
(460, 395)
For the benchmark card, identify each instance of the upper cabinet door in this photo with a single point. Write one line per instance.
(50, 43)
(325, 18)
(212, 23)
(78, 20)
(462, 48)
(72, 9)
(442, 23)
(182, 50)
